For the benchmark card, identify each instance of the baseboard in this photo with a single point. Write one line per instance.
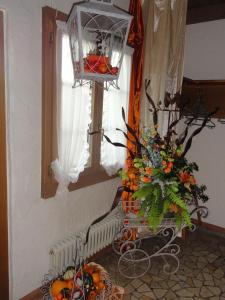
(210, 227)
(35, 295)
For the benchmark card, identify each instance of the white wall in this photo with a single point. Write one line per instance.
(204, 50)
(35, 224)
(204, 59)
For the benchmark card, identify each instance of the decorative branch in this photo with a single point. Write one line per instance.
(119, 145)
(197, 131)
(155, 112)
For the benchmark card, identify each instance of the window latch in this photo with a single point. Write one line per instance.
(100, 130)
(50, 171)
(51, 37)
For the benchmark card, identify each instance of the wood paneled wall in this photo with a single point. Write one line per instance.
(212, 93)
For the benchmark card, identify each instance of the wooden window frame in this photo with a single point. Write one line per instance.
(93, 174)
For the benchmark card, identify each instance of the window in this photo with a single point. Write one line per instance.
(93, 110)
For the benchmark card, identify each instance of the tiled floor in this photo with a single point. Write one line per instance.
(201, 274)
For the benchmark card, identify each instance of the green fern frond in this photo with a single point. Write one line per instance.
(143, 192)
(153, 217)
(187, 218)
(166, 206)
(176, 199)
(178, 220)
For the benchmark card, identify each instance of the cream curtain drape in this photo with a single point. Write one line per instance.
(73, 117)
(113, 158)
(164, 53)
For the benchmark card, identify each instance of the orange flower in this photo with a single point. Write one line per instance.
(133, 187)
(148, 170)
(167, 170)
(146, 179)
(132, 176)
(192, 180)
(173, 208)
(170, 164)
(164, 163)
(184, 176)
(129, 162)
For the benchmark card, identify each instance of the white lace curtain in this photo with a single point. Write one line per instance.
(113, 158)
(73, 117)
(164, 53)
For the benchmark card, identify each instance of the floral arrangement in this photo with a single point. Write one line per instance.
(163, 180)
(158, 174)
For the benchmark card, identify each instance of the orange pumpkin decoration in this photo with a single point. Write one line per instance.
(58, 297)
(96, 277)
(92, 295)
(101, 285)
(70, 284)
(114, 70)
(57, 286)
(92, 58)
(104, 60)
(102, 68)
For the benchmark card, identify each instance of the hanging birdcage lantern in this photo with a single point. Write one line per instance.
(98, 33)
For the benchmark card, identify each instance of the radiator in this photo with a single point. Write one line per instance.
(102, 234)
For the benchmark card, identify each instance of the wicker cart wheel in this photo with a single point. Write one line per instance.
(134, 263)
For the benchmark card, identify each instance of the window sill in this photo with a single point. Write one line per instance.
(87, 178)
(90, 177)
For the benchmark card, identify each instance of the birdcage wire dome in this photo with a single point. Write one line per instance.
(98, 34)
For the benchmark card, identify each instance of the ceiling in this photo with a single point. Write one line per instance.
(205, 10)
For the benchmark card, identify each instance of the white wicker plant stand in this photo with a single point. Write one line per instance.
(134, 261)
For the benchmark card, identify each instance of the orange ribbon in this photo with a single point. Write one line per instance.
(135, 40)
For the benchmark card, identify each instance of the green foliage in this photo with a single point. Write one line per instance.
(175, 198)
(186, 217)
(143, 192)
(155, 215)
(156, 206)
(178, 220)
